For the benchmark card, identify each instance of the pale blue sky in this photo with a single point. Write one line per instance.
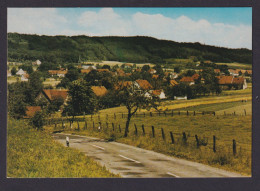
(228, 27)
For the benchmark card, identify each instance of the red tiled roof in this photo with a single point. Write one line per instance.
(99, 90)
(155, 76)
(195, 76)
(55, 72)
(157, 92)
(217, 70)
(249, 71)
(54, 93)
(85, 71)
(103, 70)
(31, 110)
(238, 80)
(187, 79)
(223, 80)
(144, 84)
(123, 84)
(173, 82)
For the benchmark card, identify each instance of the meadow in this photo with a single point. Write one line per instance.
(32, 154)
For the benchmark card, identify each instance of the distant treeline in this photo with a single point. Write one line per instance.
(138, 49)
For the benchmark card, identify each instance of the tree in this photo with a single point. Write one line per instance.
(106, 67)
(13, 71)
(38, 120)
(55, 104)
(145, 68)
(177, 69)
(81, 99)
(134, 100)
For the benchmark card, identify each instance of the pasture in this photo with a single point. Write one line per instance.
(236, 65)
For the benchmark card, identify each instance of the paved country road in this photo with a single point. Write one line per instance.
(133, 162)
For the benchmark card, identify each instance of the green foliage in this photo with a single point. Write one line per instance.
(13, 71)
(55, 104)
(81, 99)
(34, 154)
(63, 49)
(38, 120)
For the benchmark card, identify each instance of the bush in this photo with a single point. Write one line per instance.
(38, 120)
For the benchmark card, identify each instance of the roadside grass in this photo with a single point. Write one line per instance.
(225, 128)
(34, 154)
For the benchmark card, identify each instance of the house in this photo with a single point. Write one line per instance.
(60, 73)
(128, 65)
(103, 70)
(159, 93)
(155, 76)
(20, 72)
(173, 83)
(99, 91)
(180, 97)
(123, 84)
(37, 63)
(9, 73)
(142, 85)
(233, 72)
(152, 71)
(172, 75)
(188, 80)
(89, 67)
(85, 71)
(249, 73)
(120, 72)
(227, 82)
(217, 71)
(51, 94)
(31, 110)
(25, 77)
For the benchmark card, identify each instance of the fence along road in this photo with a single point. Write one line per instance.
(133, 162)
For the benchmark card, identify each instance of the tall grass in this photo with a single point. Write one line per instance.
(32, 153)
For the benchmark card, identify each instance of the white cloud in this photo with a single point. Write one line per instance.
(34, 20)
(107, 22)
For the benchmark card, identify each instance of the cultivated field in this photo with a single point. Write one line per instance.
(237, 65)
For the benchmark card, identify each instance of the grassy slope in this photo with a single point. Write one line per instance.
(32, 153)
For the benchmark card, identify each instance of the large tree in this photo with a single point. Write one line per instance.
(81, 99)
(134, 100)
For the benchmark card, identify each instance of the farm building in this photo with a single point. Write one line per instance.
(159, 93)
(88, 67)
(228, 82)
(173, 83)
(60, 73)
(85, 71)
(25, 77)
(31, 110)
(142, 85)
(50, 94)
(123, 84)
(152, 71)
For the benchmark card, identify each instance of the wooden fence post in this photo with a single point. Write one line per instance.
(194, 113)
(179, 112)
(84, 115)
(99, 117)
(113, 126)
(203, 113)
(245, 111)
(234, 113)
(119, 128)
(184, 138)
(135, 130)
(114, 116)
(93, 125)
(107, 116)
(187, 112)
(55, 125)
(163, 135)
(78, 125)
(91, 117)
(153, 131)
(172, 138)
(197, 141)
(86, 125)
(214, 143)
(224, 113)
(234, 147)
(143, 129)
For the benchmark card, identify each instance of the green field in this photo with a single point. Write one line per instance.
(32, 153)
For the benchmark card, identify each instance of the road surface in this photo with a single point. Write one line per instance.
(133, 162)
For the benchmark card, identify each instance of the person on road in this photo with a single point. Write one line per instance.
(67, 141)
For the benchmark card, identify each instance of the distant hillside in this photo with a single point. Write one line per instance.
(60, 49)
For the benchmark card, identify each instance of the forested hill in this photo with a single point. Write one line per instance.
(58, 49)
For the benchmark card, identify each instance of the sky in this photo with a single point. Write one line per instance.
(225, 27)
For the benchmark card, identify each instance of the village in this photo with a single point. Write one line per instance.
(166, 84)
